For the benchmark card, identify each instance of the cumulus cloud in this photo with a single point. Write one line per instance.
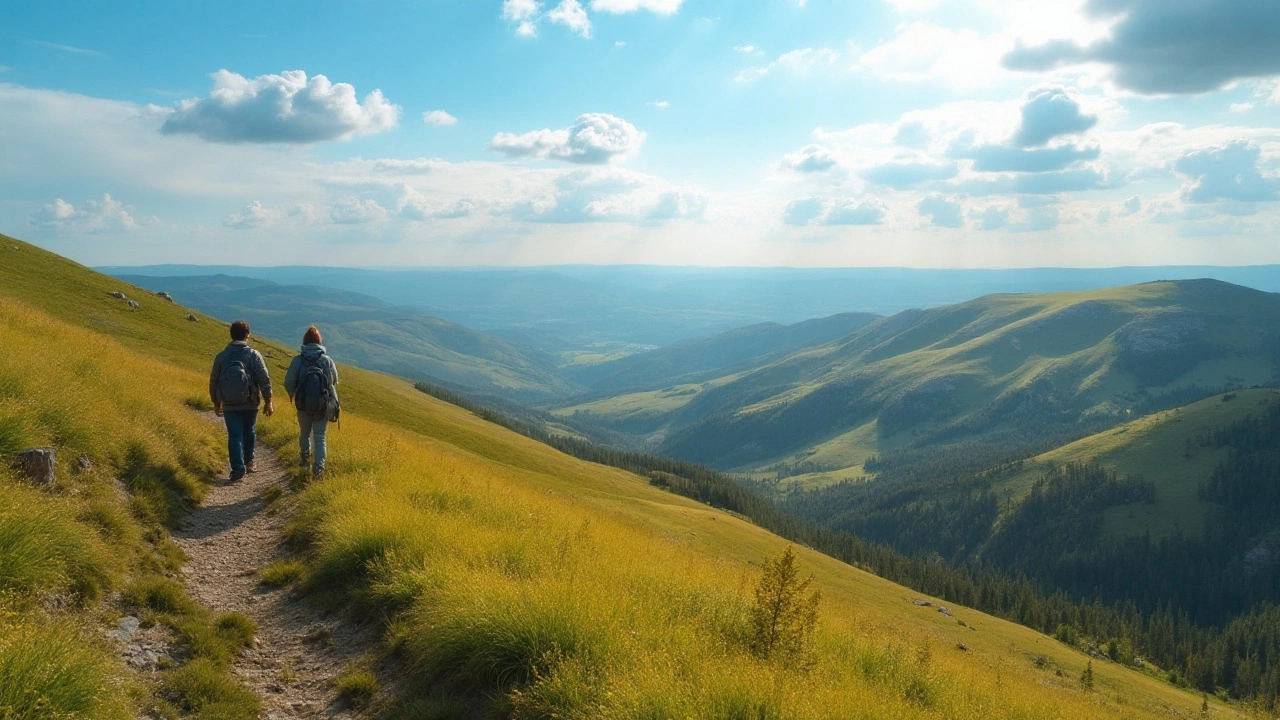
(439, 118)
(924, 51)
(251, 216)
(1048, 183)
(94, 217)
(797, 61)
(942, 211)
(661, 7)
(355, 211)
(284, 108)
(832, 212)
(993, 218)
(570, 14)
(595, 139)
(998, 158)
(1158, 46)
(1227, 172)
(810, 159)
(902, 175)
(611, 195)
(1048, 113)
(421, 208)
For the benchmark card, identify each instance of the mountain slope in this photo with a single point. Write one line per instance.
(370, 333)
(526, 582)
(692, 361)
(1010, 367)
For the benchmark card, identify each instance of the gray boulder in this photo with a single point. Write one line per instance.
(37, 465)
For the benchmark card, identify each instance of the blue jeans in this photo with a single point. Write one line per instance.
(308, 426)
(241, 435)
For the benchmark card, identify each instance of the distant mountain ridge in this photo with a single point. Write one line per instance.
(1011, 364)
(368, 332)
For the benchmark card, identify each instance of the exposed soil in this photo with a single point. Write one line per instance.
(299, 650)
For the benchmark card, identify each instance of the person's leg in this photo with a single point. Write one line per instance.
(304, 438)
(320, 424)
(235, 442)
(250, 435)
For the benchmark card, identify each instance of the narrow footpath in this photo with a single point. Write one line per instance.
(298, 650)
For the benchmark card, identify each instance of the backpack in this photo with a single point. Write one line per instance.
(235, 384)
(314, 387)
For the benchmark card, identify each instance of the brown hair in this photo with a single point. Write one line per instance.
(240, 330)
(311, 336)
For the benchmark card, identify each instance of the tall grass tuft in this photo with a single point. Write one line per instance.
(51, 673)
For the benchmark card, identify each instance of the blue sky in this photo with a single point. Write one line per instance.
(932, 133)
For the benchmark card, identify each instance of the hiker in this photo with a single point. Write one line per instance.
(311, 382)
(239, 381)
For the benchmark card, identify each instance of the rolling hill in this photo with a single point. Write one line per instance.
(1010, 370)
(518, 582)
(370, 333)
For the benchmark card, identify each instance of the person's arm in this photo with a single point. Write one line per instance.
(264, 381)
(333, 372)
(291, 377)
(213, 383)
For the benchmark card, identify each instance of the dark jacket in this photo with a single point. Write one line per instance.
(240, 350)
(310, 351)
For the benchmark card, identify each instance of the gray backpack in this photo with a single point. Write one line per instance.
(235, 383)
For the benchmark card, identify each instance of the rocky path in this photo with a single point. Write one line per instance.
(298, 650)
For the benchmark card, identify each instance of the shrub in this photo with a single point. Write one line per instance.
(282, 572)
(784, 615)
(356, 685)
(160, 594)
(203, 688)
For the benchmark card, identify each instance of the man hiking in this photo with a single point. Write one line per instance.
(311, 382)
(239, 381)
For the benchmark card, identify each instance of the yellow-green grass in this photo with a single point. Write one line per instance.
(1161, 447)
(637, 405)
(570, 587)
(64, 549)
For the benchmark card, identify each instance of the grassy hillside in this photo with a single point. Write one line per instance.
(694, 361)
(1008, 367)
(367, 332)
(520, 582)
(1162, 448)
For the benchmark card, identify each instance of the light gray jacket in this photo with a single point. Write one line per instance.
(310, 351)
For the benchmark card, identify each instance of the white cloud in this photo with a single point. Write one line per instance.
(439, 118)
(518, 10)
(748, 50)
(284, 108)
(923, 51)
(661, 7)
(913, 6)
(660, 104)
(417, 206)
(595, 139)
(94, 217)
(610, 195)
(832, 212)
(797, 61)
(65, 48)
(252, 216)
(354, 211)
(570, 14)
(810, 159)
(1241, 107)
(942, 211)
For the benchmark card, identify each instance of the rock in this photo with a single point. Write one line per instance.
(962, 647)
(944, 611)
(922, 603)
(193, 318)
(126, 628)
(84, 464)
(37, 465)
(134, 304)
(118, 295)
(164, 296)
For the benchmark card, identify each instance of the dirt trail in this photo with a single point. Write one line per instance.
(299, 650)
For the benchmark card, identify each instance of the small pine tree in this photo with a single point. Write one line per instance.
(785, 614)
(1086, 677)
(1204, 706)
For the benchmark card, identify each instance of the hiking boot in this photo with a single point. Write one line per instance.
(237, 475)
(304, 461)
(251, 467)
(317, 473)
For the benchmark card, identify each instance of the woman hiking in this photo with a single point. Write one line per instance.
(311, 383)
